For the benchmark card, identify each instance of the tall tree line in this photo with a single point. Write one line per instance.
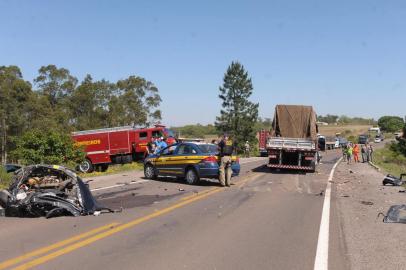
(57, 101)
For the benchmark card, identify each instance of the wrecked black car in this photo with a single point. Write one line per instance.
(393, 180)
(49, 191)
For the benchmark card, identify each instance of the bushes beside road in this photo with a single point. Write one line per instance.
(4, 178)
(390, 159)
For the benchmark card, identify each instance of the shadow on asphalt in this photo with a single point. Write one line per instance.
(203, 182)
(265, 169)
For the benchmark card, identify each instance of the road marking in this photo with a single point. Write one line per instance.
(321, 260)
(112, 231)
(196, 194)
(119, 185)
(44, 250)
(242, 183)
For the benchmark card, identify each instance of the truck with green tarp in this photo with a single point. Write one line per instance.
(293, 141)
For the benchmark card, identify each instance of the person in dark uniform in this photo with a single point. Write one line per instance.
(150, 147)
(226, 149)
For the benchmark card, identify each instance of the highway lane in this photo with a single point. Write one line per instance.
(265, 221)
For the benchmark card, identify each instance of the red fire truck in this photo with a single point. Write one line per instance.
(117, 145)
(263, 136)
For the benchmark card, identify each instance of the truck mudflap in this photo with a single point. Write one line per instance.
(291, 167)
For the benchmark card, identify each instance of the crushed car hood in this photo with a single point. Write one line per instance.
(50, 191)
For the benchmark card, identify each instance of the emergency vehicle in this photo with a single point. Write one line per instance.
(118, 145)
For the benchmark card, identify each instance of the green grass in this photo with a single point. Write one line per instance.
(390, 161)
(116, 169)
(5, 178)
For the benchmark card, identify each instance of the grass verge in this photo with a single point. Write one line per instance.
(5, 178)
(390, 161)
(115, 169)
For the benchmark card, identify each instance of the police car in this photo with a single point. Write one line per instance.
(188, 160)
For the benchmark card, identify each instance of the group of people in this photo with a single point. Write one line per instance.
(155, 146)
(351, 151)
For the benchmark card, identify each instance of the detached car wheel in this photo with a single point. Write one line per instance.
(191, 177)
(149, 172)
(86, 166)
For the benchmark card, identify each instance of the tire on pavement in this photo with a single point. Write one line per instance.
(191, 176)
(150, 172)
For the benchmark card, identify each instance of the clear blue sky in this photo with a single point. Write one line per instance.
(342, 57)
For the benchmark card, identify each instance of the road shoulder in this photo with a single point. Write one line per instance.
(370, 243)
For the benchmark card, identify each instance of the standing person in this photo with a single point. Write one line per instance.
(160, 144)
(247, 149)
(344, 149)
(349, 153)
(370, 152)
(355, 152)
(150, 147)
(226, 149)
(364, 153)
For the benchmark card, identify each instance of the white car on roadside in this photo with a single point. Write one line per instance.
(377, 140)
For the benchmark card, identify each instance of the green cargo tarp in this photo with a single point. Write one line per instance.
(295, 121)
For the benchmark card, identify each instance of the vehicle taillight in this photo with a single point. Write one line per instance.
(210, 159)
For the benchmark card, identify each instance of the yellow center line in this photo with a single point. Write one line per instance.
(240, 184)
(114, 230)
(95, 236)
(49, 248)
(196, 194)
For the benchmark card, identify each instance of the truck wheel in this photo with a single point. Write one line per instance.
(313, 165)
(86, 166)
(150, 172)
(191, 177)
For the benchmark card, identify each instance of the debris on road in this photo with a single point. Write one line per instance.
(367, 203)
(50, 191)
(396, 214)
(181, 189)
(393, 180)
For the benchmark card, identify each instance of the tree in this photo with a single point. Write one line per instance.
(391, 123)
(89, 104)
(136, 100)
(238, 115)
(47, 147)
(57, 85)
(14, 94)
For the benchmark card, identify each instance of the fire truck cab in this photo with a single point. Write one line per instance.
(118, 145)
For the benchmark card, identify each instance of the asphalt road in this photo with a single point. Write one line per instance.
(264, 221)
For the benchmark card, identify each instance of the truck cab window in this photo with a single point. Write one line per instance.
(143, 135)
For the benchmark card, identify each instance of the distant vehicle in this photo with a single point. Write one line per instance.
(342, 141)
(190, 161)
(375, 129)
(262, 138)
(12, 168)
(332, 143)
(378, 140)
(363, 139)
(293, 143)
(321, 143)
(117, 145)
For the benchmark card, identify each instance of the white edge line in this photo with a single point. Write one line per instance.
(321, 260)
(119, 185)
